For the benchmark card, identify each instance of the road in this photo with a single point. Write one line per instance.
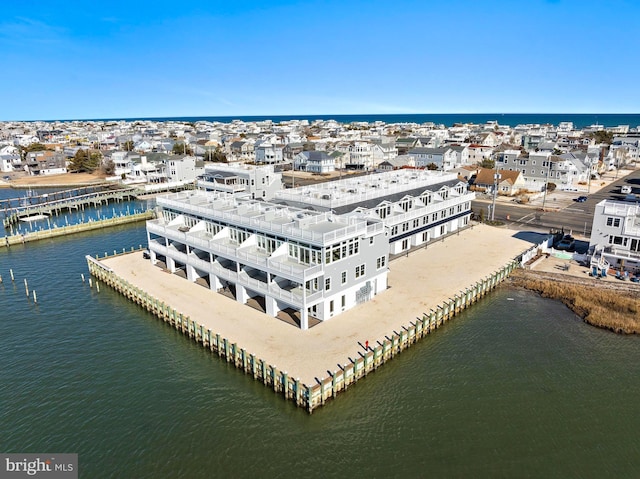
(560, 209)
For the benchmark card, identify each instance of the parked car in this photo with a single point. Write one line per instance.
(625, 189)
(567, 243)
(580, 199)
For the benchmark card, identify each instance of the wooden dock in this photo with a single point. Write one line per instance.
(80, 202)
(48, 233)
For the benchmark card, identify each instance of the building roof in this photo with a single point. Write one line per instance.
(485, 176)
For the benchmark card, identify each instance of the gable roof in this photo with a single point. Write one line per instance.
(485, 176)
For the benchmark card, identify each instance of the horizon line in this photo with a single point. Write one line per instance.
(308, 115)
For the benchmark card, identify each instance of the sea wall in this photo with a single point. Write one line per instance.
(308, 396)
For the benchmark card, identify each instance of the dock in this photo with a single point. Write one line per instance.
(47, 233)
(428, 288)
(79, 202)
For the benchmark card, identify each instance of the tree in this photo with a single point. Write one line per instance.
(35, 147)
(603, 136)
(84, 161)
(488, 163)
(432, 166)
(218, 155)
(109, 168)
(181, 149)
(128, 145)
(308, 146)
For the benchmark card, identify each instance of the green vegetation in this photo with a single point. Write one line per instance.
(603, 136)
(612, 309)
(488, 163)
(181, 149)
(85, 161)
(218, 155)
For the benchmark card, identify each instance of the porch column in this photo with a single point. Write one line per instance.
(171, 264)
(271, 306)
(304, 319)
(241, 294)
(214, 282)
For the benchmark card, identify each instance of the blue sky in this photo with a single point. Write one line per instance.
(66, 59)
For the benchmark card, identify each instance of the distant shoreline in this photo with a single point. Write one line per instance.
(580, 120)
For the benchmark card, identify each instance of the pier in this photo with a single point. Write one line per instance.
(427, 289)
(48, 233)
(48, 208)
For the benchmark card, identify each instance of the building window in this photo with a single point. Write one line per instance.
(381, 261)
(360, 271)
(344, 300)
(615, 222)
(327, 284)
(344, 277)
(331, 306)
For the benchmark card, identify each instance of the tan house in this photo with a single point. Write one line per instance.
(510, 182)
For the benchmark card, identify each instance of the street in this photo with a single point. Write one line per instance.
(560, 211)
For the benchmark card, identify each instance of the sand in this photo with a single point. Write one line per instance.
(417, 283)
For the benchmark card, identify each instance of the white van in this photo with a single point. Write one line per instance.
(625, 189)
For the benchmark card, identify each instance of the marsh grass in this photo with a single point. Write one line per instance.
(613, 309)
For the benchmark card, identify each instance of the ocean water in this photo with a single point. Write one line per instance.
(580, 120)
(516, 386)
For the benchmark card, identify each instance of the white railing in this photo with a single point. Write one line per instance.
(429, 209)
(299, 273)
(289, 229)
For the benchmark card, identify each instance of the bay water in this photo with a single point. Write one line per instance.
(517, 386)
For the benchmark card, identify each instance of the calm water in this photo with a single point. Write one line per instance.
(580, 120)
(515, 387)
(65, 218)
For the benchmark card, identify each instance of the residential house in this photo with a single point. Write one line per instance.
(268, 153)
(251, 181)
(509, 182)
(478, 153)
(314, 162)
(45, 162)
(444, 158)
(615, 235)
(397, 163)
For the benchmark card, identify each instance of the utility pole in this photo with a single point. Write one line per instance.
(496, 177)
(546, 184)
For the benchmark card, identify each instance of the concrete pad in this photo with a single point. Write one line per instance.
(417, 283)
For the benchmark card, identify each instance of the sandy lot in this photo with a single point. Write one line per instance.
(65, 179)
(419, 282)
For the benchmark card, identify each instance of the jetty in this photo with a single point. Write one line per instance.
(427, 288)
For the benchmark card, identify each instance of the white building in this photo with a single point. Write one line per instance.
(268, 153)
(181, 169)
(314, 162)
(313, 252)
(257, 182)
(416, 206)
(301, 263)
(615, 234)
